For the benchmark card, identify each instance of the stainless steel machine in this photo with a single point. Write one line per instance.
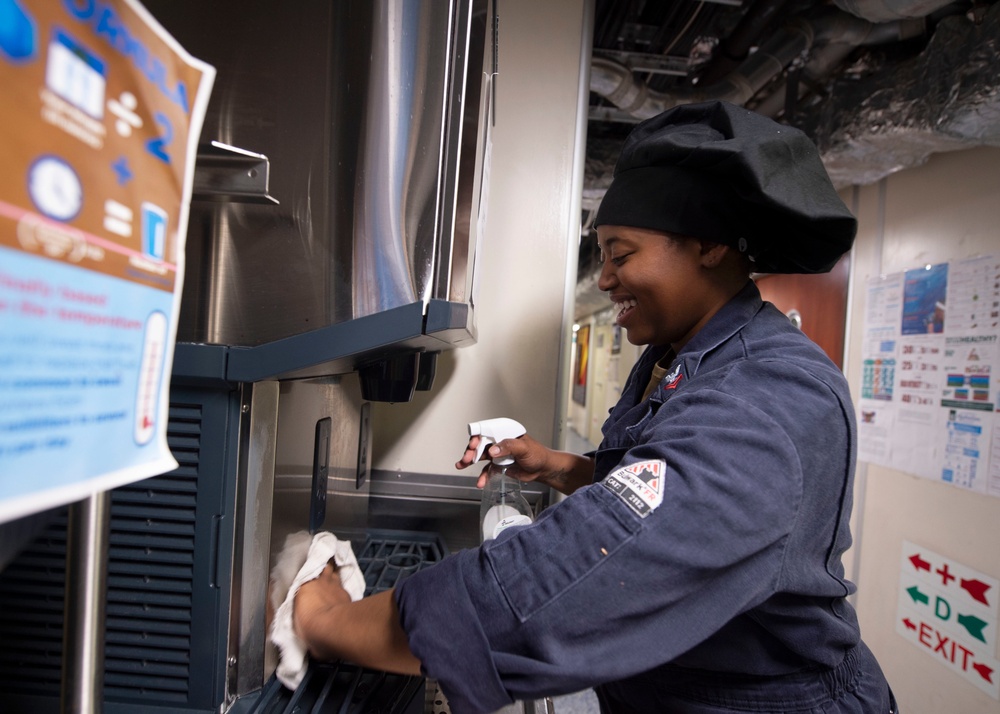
(330, 257)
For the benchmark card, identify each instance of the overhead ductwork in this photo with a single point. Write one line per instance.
(887, 10)
(826, 27)
(868, 122)
(945, 99)
(617, 83)
(836, 35)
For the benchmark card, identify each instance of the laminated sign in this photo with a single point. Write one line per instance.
(101, 113)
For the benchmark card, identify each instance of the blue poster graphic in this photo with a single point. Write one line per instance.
(924, 291)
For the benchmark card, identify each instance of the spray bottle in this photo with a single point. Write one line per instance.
(503, 505)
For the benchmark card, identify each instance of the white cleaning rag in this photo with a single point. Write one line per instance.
(302, 559)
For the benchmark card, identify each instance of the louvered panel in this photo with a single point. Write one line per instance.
(159, 583)
(32, 590)
(150, 575)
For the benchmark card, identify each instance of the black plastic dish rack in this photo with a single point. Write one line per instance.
(386, 559)
(389, 557)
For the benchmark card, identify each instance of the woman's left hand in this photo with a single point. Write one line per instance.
(316, 598)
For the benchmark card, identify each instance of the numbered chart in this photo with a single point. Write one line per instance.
(930, 384)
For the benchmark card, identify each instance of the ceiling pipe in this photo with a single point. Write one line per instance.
(837, 35)
(736, 47)
(617, 83)
(827, 27)
(888, 10)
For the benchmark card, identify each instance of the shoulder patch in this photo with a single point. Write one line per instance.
(639, 485)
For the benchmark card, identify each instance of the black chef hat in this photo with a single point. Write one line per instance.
(720, 172)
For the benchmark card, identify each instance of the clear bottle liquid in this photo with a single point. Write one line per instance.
(503, 504)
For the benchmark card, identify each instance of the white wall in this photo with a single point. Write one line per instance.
(946, 210)
(532, 234)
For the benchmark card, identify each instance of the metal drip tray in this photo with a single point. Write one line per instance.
(386, 558)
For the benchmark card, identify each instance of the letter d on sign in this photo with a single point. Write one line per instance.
(940, 604)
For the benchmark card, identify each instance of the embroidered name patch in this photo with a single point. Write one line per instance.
(639, 485)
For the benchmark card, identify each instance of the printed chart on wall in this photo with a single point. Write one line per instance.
(101, 111)
(931, 379)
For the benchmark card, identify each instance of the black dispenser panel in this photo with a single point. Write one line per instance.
(320, 474)
(392, 379)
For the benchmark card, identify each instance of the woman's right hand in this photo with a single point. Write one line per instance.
(529, 457)
(533, 461)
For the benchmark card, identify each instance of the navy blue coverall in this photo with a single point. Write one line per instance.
(700, 573)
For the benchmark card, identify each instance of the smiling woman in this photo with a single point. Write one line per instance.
(666, 287)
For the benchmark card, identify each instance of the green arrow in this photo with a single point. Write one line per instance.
(917, 595)
(974, 625)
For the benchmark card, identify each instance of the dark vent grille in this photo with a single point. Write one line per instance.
(31, 615)
(149, 637)
(151, 574)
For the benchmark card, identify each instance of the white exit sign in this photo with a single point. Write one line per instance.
(949, 611)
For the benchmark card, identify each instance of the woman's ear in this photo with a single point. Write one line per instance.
(712, 254)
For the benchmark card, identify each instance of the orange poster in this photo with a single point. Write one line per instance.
(101, 111)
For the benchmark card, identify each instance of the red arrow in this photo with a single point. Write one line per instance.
(909, 624)
(984, 672)
(977, 589)
(919, 563)
(147, 422)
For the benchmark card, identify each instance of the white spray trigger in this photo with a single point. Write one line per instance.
(484, 442)
(491, 431)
